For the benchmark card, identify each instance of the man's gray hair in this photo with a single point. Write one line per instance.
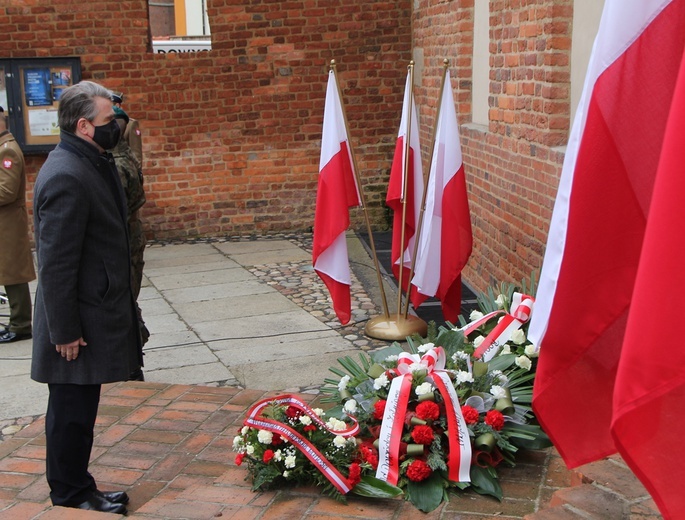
(78, 101)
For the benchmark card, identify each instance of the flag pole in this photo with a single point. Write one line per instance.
(403, 325)
(386, 314)
(445, 66)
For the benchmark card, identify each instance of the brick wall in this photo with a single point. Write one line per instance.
(512, 169)
(232, 137)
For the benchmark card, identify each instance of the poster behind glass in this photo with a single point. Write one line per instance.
(42, 84)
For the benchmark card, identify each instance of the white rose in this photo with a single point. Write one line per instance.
(249, 449)
(286, 473)
(464, 377)
(475, 315)
(518, 337)
(342, 385)
(506, 349)
(424, 388)
(523, 362)
(339, 441)
(350, 406)
(499, 375)
(426, 347)
(265, 437)
(381, 382)
(478, 340)
(530, 351)
(244, 430)
(319, 412)
(336, 424)
(289, 461)
(305, 419)
(500, 301)
(498, 392)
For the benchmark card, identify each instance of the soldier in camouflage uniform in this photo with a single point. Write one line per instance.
(131, 175)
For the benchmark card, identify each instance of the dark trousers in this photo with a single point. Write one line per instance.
(69, 424)
(19, 298)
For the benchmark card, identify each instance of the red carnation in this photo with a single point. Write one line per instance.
(495, 419)
(418, 471)
(276, 439)
(310, 428)
(292, 412)
(379, 409)
(470, 414)
(268, 455)
(422, 434)
(355, 475)
(428, 411)
(239, 459)
(369, 455)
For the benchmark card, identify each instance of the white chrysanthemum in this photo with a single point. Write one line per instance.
(500, 301)
(417, 367)
(424, 388)
(392, 358)
(305, 419)
(460, 356)
(426, 347)
(477, 341)
(464, 377)
(244, 430)
(530, 351)
(319, 412)
(506, 349)
(238, 443)
(350, 406)
(523, 362)
(518, 337)
(289, 461)
(342, 385)
(249, 449)
(278, 455)
(475, 315)
(286, 473)
(381, 382)
(498, 392)
(265, 437)
(339, 441)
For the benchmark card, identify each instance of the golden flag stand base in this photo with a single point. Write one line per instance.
(396, 328)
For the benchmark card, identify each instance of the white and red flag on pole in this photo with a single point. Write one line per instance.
(445, 240)
(337, 192)
(413, 191)
(611, 374)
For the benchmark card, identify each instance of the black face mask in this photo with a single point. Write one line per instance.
(107, 135)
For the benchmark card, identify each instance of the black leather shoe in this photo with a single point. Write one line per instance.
(9, 337)
(118, 497)
(137, 375)
(97, 502)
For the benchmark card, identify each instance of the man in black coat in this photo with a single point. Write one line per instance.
(85, 328)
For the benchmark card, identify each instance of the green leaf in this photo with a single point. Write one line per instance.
(379, 356)
(533, 437)
(483, 482)
(427, 494)
(375, 488)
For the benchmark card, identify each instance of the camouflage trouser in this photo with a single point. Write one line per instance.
(137, 244)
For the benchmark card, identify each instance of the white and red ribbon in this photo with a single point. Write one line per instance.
(433, 364)
(519, 313)
(256, 420)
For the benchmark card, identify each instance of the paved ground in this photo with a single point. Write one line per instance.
(232, 321)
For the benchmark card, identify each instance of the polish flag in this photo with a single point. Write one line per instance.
(337, 192)
(413, 193)
(445, 240)
(594, 372)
